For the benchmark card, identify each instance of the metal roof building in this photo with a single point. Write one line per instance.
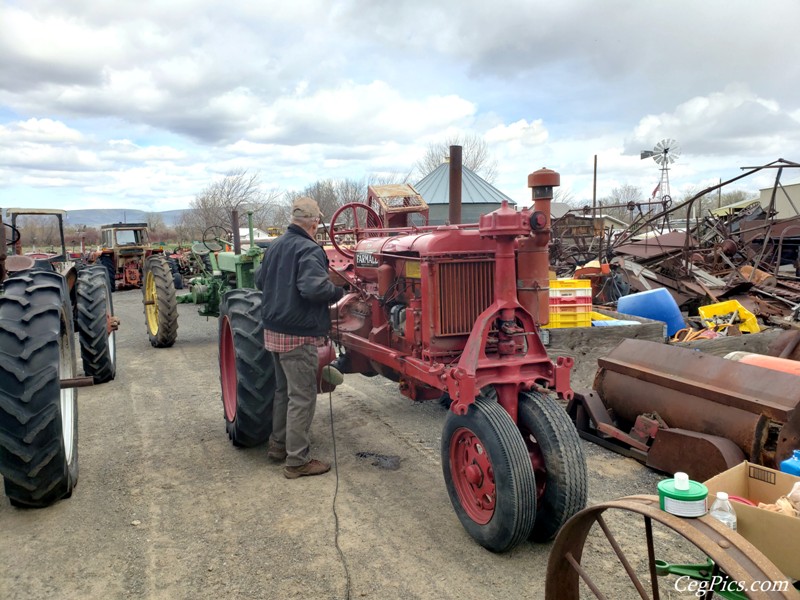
(478, 196)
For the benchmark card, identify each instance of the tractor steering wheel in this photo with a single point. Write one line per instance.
(14, 234)
(358, 220)
(212, 237)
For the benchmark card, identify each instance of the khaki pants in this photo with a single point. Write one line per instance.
(295, 402)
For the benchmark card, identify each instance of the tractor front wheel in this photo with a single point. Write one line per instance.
(94, 310)
(160, 302)
(488, 475)
(558, 462)
(246, 370)
(38, 419)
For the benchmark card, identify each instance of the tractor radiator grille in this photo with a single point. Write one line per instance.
(466, 289)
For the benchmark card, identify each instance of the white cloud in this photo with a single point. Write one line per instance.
(130, 101)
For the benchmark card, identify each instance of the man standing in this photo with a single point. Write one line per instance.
(296, 292)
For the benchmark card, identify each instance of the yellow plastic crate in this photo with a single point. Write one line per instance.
(571, 308)
(748, 322)
(570, 284)
(569, 319)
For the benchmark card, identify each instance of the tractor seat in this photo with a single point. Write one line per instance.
(19, 262)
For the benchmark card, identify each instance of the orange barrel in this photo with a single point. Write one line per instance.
(768, 362)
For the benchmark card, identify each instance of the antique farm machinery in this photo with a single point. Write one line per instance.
(657, 555)
(224, 268)
(454, 309)
(44, 298)
(123, 250)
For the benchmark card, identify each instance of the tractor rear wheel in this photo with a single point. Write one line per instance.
(95, 308)
(246, 370)
(160, 302)
(488, 475)
(558, 462)
(108, 264)
(38, 419)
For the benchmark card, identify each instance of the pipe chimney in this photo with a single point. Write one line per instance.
(454, 213)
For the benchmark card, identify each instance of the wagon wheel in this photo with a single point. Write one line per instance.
(558, 462)
(669, 554)
(354, 218)
(212, 237)
(246, 370)
(488, 475)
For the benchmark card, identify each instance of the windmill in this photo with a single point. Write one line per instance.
(665, 153)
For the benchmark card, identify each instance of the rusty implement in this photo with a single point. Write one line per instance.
(711, 413)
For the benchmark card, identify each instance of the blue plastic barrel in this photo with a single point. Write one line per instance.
(657, 304)
(792, 464)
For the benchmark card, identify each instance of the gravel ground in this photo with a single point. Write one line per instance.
(167, 508)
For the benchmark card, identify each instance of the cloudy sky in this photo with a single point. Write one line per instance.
(142, 103)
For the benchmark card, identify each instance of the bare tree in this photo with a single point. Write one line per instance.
(155, 226)
(627, 202)
(238, 190)
(565, 196)
(474, 155)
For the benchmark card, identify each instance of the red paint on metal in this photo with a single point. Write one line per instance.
(473, 476)
(450, 316)
(227, 369)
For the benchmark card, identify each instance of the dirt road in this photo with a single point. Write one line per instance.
(166, 507)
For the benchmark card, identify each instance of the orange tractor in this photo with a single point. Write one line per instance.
(123, 249)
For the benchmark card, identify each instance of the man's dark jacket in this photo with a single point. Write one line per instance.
(294, 284)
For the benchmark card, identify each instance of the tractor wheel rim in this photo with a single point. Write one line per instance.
(227, 368)
(537, 462)
(473, 476)
(151, 308)
(67, 400)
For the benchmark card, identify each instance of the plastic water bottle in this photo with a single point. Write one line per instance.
(722, 511)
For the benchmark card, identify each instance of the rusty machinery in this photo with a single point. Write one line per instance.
(456, 309)
(123, 251)
(677, 409)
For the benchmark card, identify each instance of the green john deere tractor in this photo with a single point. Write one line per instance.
(223, 268)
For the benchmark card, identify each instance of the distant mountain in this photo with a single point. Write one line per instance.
(104, 216)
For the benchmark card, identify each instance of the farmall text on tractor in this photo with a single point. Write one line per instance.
(453, 310)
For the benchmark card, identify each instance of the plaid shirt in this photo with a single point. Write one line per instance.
(284, 342)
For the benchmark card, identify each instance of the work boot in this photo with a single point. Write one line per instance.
(312, 467)
(276, 452)
(332, 375)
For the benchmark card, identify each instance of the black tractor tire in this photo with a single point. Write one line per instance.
(177, 278)
(160, 302)
(549, 433)
(108, 263)
(38, 420)
(94, 308)
(488, 475)
(246, 369)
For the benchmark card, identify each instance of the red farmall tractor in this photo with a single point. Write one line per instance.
(452, 310)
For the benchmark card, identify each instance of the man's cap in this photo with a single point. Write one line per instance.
(305, 207)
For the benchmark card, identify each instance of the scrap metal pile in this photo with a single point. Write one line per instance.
(750, 255)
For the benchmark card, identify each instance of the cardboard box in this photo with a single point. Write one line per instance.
(776, 535)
